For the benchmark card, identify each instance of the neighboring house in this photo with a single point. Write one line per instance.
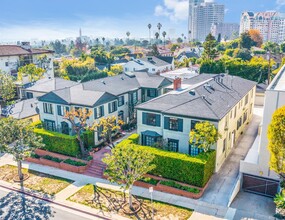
(152, 64)
(44, 86)
(26, 109)
(14, 56)
(256, 174)
(115, 95)
(186, 55)
(226, 101)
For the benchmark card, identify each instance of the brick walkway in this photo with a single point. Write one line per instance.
(97, 167)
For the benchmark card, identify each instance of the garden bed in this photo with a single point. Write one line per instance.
(111, 201)
(173, 187)
(59, 161)
(37, 181)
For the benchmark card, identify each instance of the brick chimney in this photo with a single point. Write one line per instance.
(177, 83)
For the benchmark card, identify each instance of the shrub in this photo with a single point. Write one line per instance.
(74, 162)
(59, 143)
(178, 186)
(33, 155)
(149, 180)
(134, 138)
(55, 159)
(89, 158)
(195, 171)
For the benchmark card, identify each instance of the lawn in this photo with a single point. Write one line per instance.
(112, 201)
(37, 181)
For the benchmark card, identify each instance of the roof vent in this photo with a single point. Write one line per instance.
(103, 82)
(122, 78)
(192, 92)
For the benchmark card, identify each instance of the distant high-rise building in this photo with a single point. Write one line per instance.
(271, 25)
(228, 31)
(201, 17)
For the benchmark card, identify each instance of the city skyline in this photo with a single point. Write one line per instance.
(58, 20)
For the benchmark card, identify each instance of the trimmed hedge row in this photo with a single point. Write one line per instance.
(88, 139)
(59, 143)
(195, 171)
(134, 138)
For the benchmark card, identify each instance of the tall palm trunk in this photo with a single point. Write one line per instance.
(20, 174)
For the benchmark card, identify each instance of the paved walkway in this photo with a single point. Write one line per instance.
(222, 183)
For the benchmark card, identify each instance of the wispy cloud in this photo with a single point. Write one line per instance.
(174, 9)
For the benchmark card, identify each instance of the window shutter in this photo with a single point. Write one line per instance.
(95, 113)
(67, 109)
(180, 125)
(109, 107)
(59, 110)
(144, 118)
(102, 110)
(157, 120)
(166, 122)
(116, 106)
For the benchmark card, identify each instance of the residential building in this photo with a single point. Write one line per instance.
(153, 65)
(26, 109)
(270, 24)
(201, 17)
(44, 86)
(115, 95)
(228, 31)
(226, 101)
(14, 56)
(256, 174)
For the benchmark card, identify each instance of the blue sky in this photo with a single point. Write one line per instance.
(51, 19)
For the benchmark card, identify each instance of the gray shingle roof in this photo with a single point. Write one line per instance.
(154, 61)
(22, 110)
(207, 103)
(49, 84)
(78, 95)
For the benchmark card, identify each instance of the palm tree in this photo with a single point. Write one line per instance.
(182, 36)
(128, 36)
(156, 35)
(97, 41)
(103, 39)
(164, 34)
(159, 26)
(149, 27)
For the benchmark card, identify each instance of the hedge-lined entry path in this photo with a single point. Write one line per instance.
(97, 167)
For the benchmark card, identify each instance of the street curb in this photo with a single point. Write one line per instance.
(53, 202)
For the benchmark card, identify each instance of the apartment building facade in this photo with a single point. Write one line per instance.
(225, 101)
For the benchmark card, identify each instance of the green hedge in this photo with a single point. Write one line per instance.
(195, 171)
(134, 138)
(59, 143)
(88, 139)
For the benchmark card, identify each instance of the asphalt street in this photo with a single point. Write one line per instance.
(17, 206)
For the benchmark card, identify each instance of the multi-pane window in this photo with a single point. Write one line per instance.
(49, 125)
(66, 109)
(59, 110)
(134, 98)
(151, 93)
(239, 122)
(99, 112)
(224, 145)
(121, 100)
(194, 151)
(151, 119)
(244, 117)
(173, 145)
(149, 141)
(48, 108)
(99, 132)
(173, 124)
(112, 107)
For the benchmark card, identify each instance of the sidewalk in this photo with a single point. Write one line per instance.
(81, 180)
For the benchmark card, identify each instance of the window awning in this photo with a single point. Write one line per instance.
(151, 133)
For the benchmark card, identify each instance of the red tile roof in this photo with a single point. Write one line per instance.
(14, 50)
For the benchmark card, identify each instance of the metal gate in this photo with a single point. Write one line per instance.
(259, 185)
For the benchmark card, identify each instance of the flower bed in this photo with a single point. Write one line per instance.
(59, 161)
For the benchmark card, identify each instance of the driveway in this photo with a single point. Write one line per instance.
(222, 183)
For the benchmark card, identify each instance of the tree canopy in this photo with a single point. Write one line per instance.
(32, 71)
(204, 135)
(7, 87)
(210, 51)
(276, 141)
